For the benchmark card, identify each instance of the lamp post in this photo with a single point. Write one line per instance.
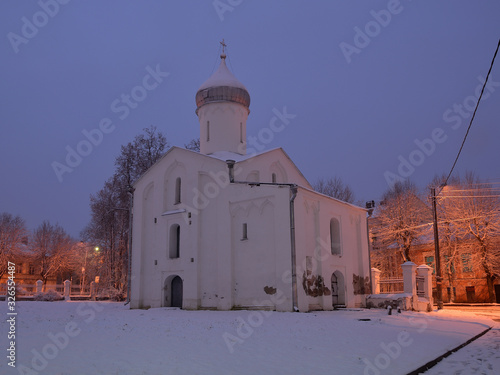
(439, 279)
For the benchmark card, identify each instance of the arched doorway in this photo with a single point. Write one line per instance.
(176, 292)
(338, 289)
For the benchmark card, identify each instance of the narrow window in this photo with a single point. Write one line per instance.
(466, 263)
(335, 237)
(430, 262)
(31, 269)
(208, 131)
(241, 132)
(174, 241)
(244, 234)
(178, 190)
(273, 178)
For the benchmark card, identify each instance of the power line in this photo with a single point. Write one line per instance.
(430, 224)
(475, 190)
(486, 183)
(468, 196)
(474, 114)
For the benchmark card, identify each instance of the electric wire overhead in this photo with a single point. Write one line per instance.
(474, 114)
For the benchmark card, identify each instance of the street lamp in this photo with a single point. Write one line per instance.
(439, 279)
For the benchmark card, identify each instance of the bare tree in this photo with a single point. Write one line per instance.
(193, 145)
(470, 213)
(51, 248)
(13, 236)
(108, 230)
(138, 156)
(110, 207)
(402, 219)
(335, 188)
(388, 261)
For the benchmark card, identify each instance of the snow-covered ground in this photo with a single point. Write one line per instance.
(108, 338)
(479, 357)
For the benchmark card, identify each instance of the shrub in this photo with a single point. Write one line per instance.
(112, 294)
(51, 295)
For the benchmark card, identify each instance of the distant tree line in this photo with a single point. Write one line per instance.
(48, 248)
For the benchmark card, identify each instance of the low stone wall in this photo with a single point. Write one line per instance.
(415, 297)
(402, 300)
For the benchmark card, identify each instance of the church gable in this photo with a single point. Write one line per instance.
(272, 166)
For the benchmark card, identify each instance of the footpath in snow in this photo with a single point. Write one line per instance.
(107, 338)
(479, 357)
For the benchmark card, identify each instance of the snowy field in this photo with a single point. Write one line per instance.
(108, 338)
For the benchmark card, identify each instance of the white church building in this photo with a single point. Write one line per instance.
(223, 229)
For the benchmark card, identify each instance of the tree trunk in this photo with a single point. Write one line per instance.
(491, 292)
(406, 254)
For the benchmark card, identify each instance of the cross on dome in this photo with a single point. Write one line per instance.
(224, 45)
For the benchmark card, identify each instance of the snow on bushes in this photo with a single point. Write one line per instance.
(51, 295)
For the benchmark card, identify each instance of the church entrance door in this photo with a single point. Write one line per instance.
(176, 292)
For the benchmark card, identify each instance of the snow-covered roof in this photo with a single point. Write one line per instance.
(335, 199)
(222, 86)
(228, 155)
(222, 77)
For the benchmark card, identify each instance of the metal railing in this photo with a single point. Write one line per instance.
(29, 290)
(395, 285)
(420, 286)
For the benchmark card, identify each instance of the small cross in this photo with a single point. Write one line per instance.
(224, 45)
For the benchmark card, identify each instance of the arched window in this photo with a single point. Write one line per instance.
(273, 178)
(178, 190)
(208, 131)
(335, 242)
(174, 241)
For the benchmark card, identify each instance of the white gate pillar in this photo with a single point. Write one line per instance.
(375, 280)
(39, 286)
(67, 289)
(409, 278)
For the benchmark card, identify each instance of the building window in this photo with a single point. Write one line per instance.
(273, 178)
(178, 190)
(241, 132)
(335, 237)
(174, 241)
(466, 263)
(244, 232)
(430, 262)
(31, 269)
(208, 131)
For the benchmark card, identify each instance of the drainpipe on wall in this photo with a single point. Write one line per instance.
(230, 166)
(293, 190)
(130, 216)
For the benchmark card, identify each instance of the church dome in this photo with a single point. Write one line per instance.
(222, 86)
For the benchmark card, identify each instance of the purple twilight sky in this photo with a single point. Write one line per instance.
(376, 86)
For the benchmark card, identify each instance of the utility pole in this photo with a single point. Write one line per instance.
(439, 279)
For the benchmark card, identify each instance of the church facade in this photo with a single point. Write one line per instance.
(224, 229)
